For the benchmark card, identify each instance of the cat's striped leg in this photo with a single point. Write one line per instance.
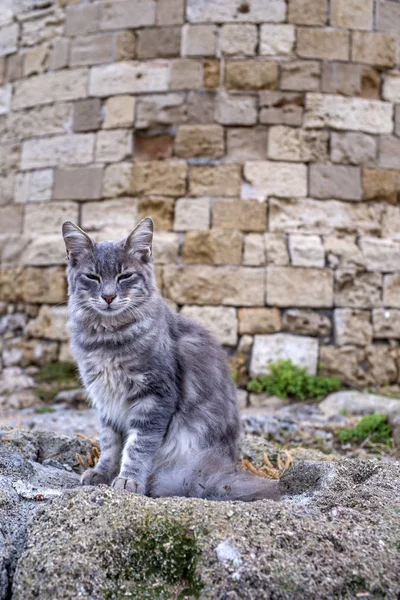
(145, 436)
(110, 458)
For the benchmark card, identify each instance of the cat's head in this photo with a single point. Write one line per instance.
(110, 278)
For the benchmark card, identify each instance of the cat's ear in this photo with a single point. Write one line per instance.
(76, 240)
(140, 241)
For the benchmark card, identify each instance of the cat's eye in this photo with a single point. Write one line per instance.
(125, 276)
(93, 277)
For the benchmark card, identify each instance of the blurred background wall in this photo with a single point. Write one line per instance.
(262, 136)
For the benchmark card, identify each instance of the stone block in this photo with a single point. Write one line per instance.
(391, 86)
(50, 324)
(388, 17)
(341, 78)
(125, 45)
(386, 323)
(192, 214)
(161, 210)
(113, 145)
(389, 152)
(306, 251)
(380, 185)
(352, 326)
(331, 216)
(153, 147)
(11, 218)
(7, 185)
(245, 215)
(289, 143)
(119, 111)
(251, 75)
(82, 19)
(83, 183)
(34, 186)
(86, 115)
(278, 107)
(301, 75)
(48, 218)
(371, 83)
(344, 363)
(200, 108)
(36, 60)
(352, 14)
(245, 144)
(259, 320)
(118, 180)
(18, 351)
(236, 110)
(92, 49)
(343, 253)
(129, 78)
(277, 40)
(305, 321)
(370, 116)
(216, 180)
(9, 39)
(165, 248)
(324, 43)
(220, 321)
(313, 216)
(14, 67)
(380, 254)
(51, 87)
(357, 290)
(211, 73)
(59, 54)
(59, 150)
(225, 11)
(301, 350)
(163, 110)
(167, 178)
(213, 247)
(44, 251)
(267, 178)
(95, 217)
(186, 74)
(300, 287)
(128, 14)
(206, 285)
(276, 249)
(372, 48)
(43, 120)
(159, 42)
(335, 181)
(193, 141)
(308, 12)
(239, 39)
(199, 40)
(170, 12)
(391, 223)
(254, 250)
(34, 285)
(391, 290)
(353, 148)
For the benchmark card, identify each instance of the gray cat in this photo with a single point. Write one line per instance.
(160, 382)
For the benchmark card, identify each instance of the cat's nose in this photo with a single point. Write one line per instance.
(108, 299)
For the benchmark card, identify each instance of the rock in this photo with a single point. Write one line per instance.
(359, 403)
(92, 542)
(302, 351)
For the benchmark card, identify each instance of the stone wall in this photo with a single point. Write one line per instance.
(263, 137)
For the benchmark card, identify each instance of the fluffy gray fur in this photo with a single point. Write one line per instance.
(160, 382)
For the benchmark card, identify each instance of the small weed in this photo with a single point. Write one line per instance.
(58, 372)
(45, 409)
(374, 428)
(291, 381)
(344, 412)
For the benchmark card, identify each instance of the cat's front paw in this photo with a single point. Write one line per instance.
(130, 485)
(93, 477)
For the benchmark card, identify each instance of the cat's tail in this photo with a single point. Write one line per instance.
(211, 477)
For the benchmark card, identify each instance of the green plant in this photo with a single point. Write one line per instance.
(58, 372)
(375, 428)
(291, 381)
(44, 409)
